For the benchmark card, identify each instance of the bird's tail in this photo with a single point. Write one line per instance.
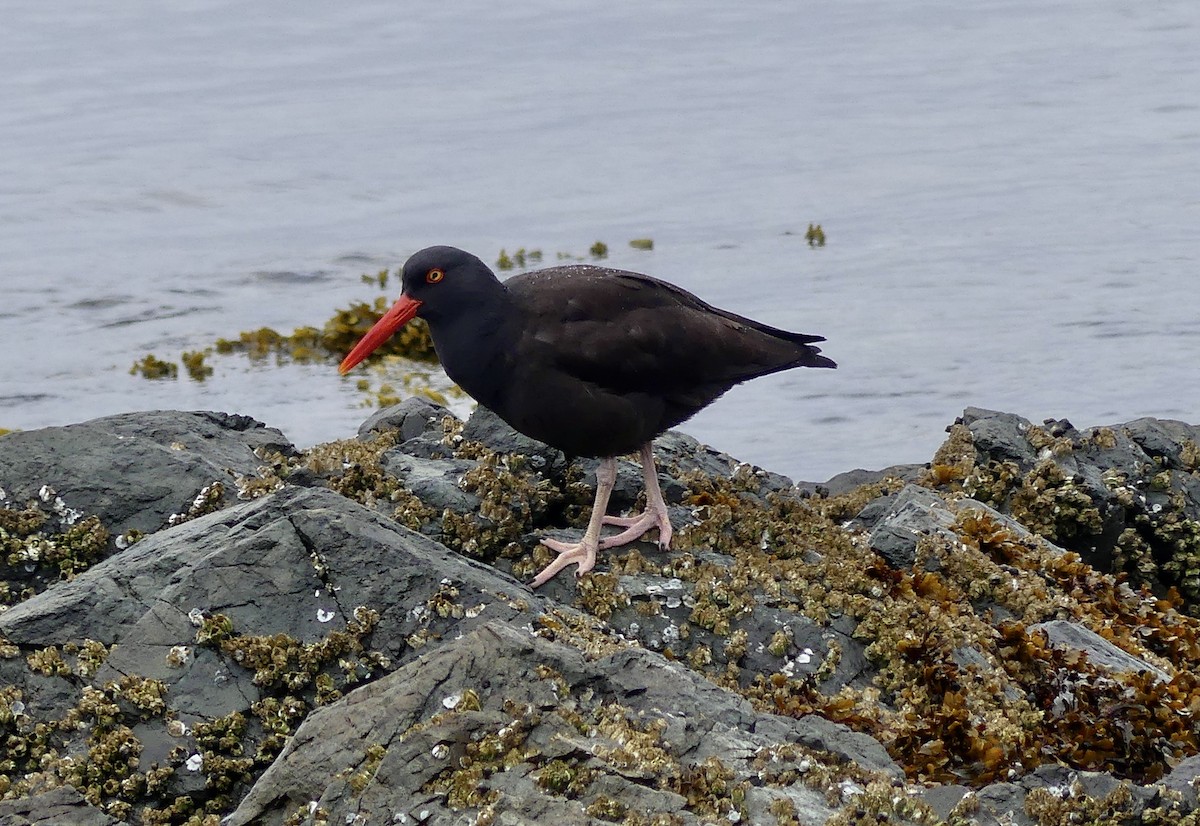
(813, 358)
(809, 356)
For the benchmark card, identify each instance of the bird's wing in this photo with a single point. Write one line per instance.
(630, 333)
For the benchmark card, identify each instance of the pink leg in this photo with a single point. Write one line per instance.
(584, 551)
(655, 515)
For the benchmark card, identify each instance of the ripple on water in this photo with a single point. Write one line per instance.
(157, 314)
(100, 302)
(19, 399)
(294, 276)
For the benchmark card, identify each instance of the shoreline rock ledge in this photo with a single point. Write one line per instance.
(201, 624)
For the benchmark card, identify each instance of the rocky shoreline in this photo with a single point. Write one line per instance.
(203, 625)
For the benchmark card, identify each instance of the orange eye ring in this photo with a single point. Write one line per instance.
(434, 276)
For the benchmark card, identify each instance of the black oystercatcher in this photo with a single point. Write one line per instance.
(590, 360)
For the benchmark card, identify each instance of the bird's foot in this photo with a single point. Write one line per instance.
(568, 552)
(636, 526)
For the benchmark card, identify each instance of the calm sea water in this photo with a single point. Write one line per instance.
(1010, 191)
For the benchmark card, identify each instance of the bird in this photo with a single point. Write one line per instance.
(591, 360)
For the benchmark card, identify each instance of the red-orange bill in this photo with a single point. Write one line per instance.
(400, 314)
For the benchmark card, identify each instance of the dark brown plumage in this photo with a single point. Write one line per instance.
(591, 360)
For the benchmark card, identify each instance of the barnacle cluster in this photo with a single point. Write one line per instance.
(1117, 807)
(964, 688)
(44, 542)
(282, 663)
(209, 499)
(108, 771)
(39, 743)
(512, 502)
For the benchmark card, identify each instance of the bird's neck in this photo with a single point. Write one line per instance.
(473, 344)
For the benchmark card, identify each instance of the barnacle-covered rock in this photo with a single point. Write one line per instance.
(551, 733)
(924, 644)
(1125, 497)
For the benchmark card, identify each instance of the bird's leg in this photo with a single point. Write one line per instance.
(655, 514)
(584, 551)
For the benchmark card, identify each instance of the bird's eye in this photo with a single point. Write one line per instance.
(434, 276)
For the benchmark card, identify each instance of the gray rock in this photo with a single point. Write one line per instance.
(676, 450)
(428, 445)
(434, 481)
(826, 736)
(500, 684)
(896, 523)
(278, 564)
(690, 455)
(1004, 804)
(682, 455)
(851, 479)
(1001, 804)
(297, 563)
(1162, 439)
(1184, 779)
(413, 417)
(1000, 435)
(466, 669)
(913, 513)
(657, 608)
(486, 427)
(54, 807)
(1100, 652)
(943, 799)
(424, 466)
(135, 470)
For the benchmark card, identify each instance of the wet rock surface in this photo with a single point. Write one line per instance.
(135, 470)
(1004, 635)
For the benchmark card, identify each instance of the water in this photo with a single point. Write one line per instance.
(1011, 193)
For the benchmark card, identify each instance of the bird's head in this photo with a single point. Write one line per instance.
(434, 282)
(441, 278)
